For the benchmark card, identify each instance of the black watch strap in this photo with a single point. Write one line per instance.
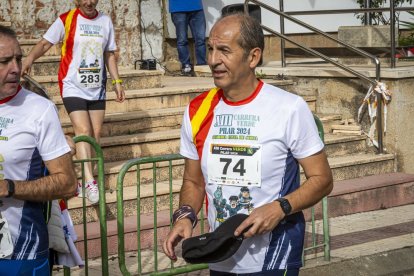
(285, 205)
(10, 187)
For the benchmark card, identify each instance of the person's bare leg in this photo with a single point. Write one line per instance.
(82, 126)
(97, 118)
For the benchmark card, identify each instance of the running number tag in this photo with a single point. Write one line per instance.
(237, 165)
(6, 243)
(89, 76)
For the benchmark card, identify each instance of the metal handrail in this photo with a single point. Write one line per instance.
(391, 9)
(326, 58)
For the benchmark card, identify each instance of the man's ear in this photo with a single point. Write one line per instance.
(255, 57)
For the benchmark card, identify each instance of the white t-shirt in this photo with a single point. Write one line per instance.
(30, 132)
(82, 71)
(248, 152)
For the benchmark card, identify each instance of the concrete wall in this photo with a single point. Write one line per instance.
(400, 122)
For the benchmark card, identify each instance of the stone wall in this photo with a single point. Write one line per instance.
(31, 18)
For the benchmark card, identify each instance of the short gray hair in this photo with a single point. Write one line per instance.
(251, 32)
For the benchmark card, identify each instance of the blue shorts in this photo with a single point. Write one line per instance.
(38, 267)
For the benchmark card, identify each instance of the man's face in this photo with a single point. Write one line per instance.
(10, 66)
(226, 58)
(87, 7)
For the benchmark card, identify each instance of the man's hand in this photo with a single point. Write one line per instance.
(182, 229)
(262, 220)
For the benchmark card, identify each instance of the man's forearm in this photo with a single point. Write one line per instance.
(193, 195)
(61, 182)
(193, 190)
(46, 188)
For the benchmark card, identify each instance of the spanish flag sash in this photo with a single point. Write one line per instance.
(201, 113)
(69, 20)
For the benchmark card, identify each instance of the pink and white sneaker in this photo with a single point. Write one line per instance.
(91, 191)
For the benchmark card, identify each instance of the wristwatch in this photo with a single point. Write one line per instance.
(10, 187)
(285, 205)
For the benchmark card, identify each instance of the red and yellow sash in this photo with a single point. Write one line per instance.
(201, 113)
(69, 20)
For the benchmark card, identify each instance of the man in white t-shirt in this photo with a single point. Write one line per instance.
(243, 142)
(30, 133)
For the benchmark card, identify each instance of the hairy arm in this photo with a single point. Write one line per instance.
(60, 183)
(112, 66)
(319, 183)
(37, 51)
(192, 193)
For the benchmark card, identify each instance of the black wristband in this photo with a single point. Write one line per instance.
(10, 187)
(185, 211)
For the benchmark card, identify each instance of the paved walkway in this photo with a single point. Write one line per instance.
(353, 236)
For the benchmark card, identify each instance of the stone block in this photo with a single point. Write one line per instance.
(366, 36)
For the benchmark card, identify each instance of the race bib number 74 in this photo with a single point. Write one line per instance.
(237, 165)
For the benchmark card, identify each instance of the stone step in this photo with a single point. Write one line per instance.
(27, 44)
(47, 65)
(359, 165)
(135, 122)
(339, 145)
(132, 79)
(125, 147)
(342, 167)
(112, 170)
(130, 203)
(368, 193)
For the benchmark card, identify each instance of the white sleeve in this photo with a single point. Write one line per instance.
(301, 132)
(187, 147)
(56, 32)
(51, 140)
(111, 45)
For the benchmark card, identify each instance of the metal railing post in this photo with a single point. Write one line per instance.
(392, 32)
(282, 31)
(366, 14)
(102, 199)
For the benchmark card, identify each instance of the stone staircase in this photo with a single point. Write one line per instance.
(147, 124)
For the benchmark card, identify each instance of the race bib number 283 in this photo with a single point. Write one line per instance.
(237, 165)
